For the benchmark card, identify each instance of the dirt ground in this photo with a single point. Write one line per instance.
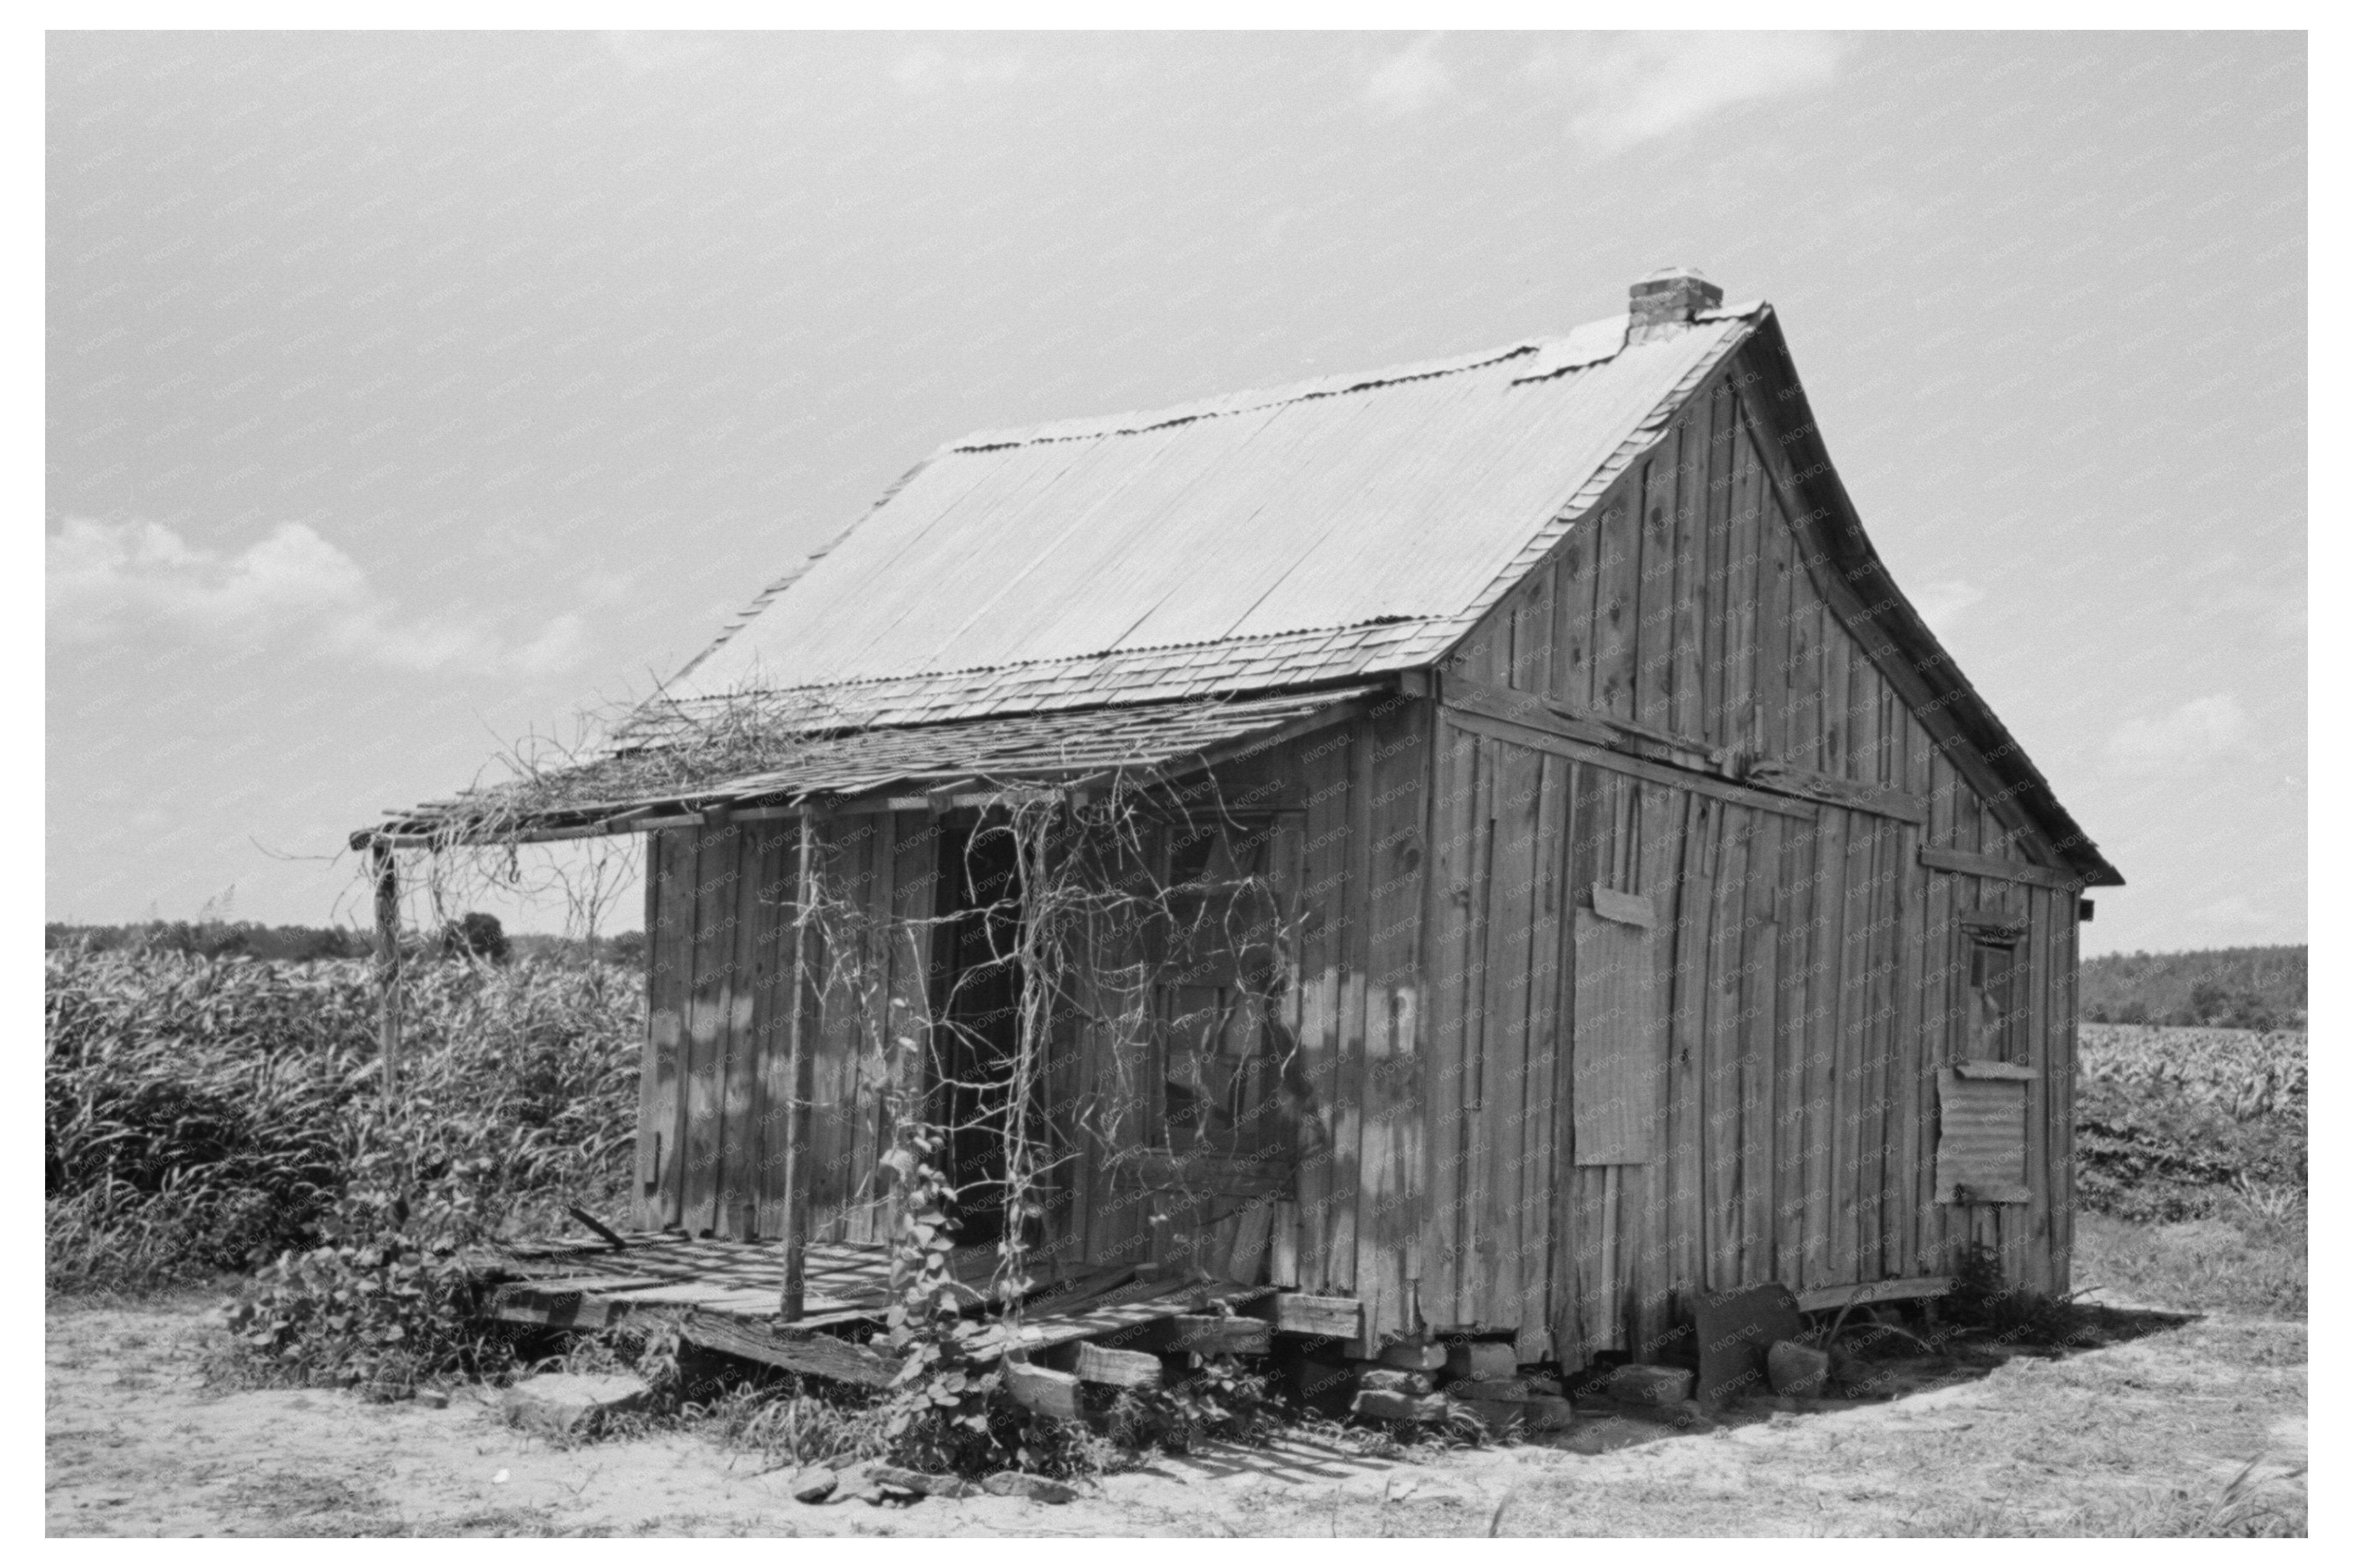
(2197, 1427)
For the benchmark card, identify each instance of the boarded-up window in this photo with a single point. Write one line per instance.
(1996, 1021)
(1982, 1134)
(1613, 1046)
(1982, 1101)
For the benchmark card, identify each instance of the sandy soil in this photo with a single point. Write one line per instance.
(2192, 1428)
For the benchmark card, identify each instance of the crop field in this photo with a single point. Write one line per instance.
(204, 1114)
(2170, 1121)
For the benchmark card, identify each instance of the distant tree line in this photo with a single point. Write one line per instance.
(472, 935)
(2222, 988)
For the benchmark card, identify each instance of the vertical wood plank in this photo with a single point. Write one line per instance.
(872, 1132)
(738, 1192)
(1575, 1218)
(1355, 962)
(1618, 599)
(1695, 689)
(1532, 633)
(1759, 950)
(1804, 743)
(706, 1025)
(1387, 1238)
(1504, 1065)
(669, 944)
(1776, 679)
(1826, 943)
(1792, 1051)
(1908, 1068)
(832, 1064)
(1746, 590)
(1655, 1247)
(1549, 1043)
(1717, 1127)
(1654, 633)
(780, 992)
(1323, 895)
(1575, 615)
(1851, 1158)
(1877, 1248)
(1688, 988)
(1466, 1139)
(1838, 661)
(1446, 973)
(1866, 694)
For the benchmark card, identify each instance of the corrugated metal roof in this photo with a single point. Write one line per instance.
(1270, 525)
(781, 762)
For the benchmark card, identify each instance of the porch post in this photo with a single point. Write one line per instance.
(387, 961)
(797, 1213)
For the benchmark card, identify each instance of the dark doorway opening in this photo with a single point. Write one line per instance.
(978, 995)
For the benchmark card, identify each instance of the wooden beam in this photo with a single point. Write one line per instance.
(386, 867)
(1829, 1297)
(1555, 717)
(1319, 1316)
(1889, 802)
(1208, 1334)
(1634, 767)
(796, 1349)
(1043, 1390)
(1961, 862)
(1562, 718)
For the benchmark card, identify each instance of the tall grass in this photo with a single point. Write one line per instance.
(203, 1114)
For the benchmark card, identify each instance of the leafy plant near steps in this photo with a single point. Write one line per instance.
(938, 1414)
(385, 1302)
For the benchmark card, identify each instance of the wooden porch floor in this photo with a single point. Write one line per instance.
(724, 1295)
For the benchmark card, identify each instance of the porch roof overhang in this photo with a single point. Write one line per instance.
(789, 771)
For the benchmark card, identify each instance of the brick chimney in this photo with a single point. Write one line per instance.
(1667, 297)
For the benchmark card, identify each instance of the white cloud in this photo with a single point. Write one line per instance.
(1409, 81)
(2200, 728)
(1941, 603)
(110, 582)
(1622, 88)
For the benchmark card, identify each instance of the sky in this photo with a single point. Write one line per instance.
(414, 395)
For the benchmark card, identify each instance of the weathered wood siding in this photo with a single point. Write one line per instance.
(721, 919)
(1809, 983)
(1798, 1013)
(1345, 854)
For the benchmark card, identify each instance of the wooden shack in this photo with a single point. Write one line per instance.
(1644, 903)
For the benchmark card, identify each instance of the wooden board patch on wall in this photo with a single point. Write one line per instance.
(1613, 1048)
